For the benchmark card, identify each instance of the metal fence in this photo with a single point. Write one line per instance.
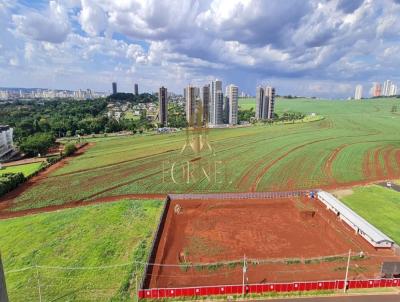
(158, 293)
(155, 242)
(246, 195)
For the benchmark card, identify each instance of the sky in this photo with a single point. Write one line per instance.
(301, 47)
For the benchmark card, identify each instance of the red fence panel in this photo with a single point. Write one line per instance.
(156, 293)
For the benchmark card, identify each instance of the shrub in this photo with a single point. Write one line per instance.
(69, 149)
(10, 181)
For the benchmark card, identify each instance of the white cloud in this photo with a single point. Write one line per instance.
(92, 18)
(52, 25)
(174, 42)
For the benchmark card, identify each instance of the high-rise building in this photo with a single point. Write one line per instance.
(216, 104)
(192, 95)
(386, 87)
(358, 93)
(163, 103)
(260, 103)
(376, 89)
(270, 101)
(218, 108)
(6, 140)
(232, 95)
(136, 89)
(114, 87)
(225, 110)
(393, 89)
(205, 99)
(265, 103)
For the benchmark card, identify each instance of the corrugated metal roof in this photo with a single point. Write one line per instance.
(375, 234)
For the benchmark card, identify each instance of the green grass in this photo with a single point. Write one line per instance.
(26, 169)
(380, 206)
(363, 134)
(98, 235)
(247, 103)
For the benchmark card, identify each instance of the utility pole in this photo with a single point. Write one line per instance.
(3, 288)
(347, 272)
(244, 273)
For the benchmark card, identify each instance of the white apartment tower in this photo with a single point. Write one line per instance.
(358, 93)
(6, 141)
(232, 92)
(192, 94)
(265, 103)
(386, 87)
(216, 104)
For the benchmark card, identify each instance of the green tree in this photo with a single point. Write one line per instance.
(37, 143)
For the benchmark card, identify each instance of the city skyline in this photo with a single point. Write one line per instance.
(318, 48)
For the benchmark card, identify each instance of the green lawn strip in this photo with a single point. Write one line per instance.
(26, 169)
(380, 206)
(98, 235)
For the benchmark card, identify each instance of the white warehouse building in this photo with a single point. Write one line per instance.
(6, 141)
(362, 227)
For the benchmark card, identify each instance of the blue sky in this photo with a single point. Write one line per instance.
(312, 48)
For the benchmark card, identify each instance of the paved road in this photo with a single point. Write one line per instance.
(369, 298)
(394, 186)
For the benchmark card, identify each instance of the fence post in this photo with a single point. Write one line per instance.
(3, 288)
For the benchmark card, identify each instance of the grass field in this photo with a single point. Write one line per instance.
(356, 142)
(26, 169)
(247, 103)
(380, 206)
(75, 239)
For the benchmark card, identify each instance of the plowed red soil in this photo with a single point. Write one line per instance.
(215, 231)
(329, 163)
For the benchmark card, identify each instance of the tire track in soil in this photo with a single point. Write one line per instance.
(78, 203)
(112, 165)
(379, 172)
(260, 175)
(328, 168)
(388, 154)
(367, 165)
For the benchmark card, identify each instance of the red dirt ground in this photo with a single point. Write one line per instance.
(213, 231)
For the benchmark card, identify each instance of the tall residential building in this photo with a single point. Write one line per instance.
(114, 87)
(205, 99)
(216, 103)
(218, 109)
(260, 103)
(270, 101)
(393, 89)
(136, 89)
(265, 103)
(225, 110)
(386, 87)
(376, 89)
(163, 103)
(192, 95)
(358, 93)
(232, 94)
(6, 141)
